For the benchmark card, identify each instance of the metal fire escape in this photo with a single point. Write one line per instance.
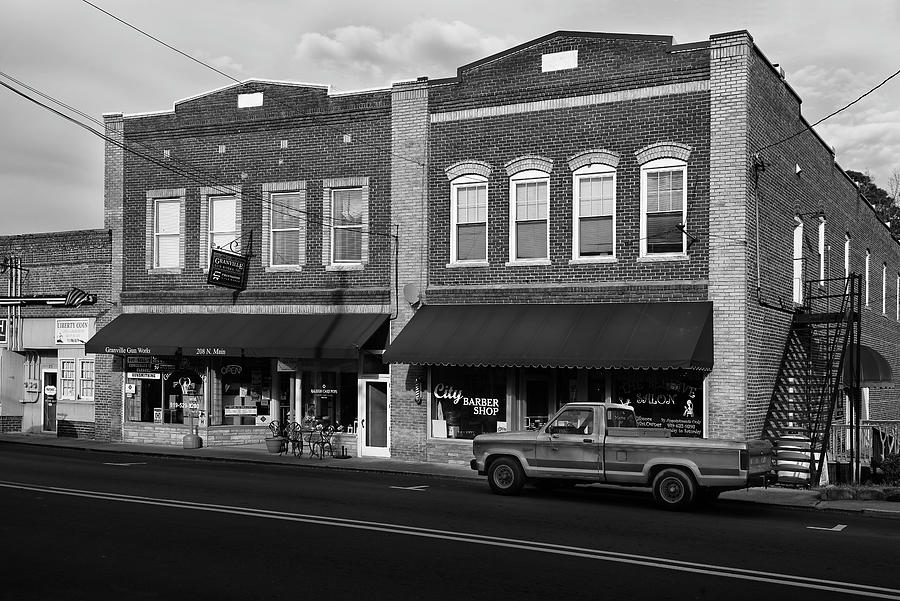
(808, 387)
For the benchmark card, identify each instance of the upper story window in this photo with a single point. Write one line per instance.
(529, 216)
(884, 288)
(167, 233)
(822, 249)
(286, 222)
(220, 221)
(846, 255)
(798, 260)
(468, 219)
(663, 207)
(345, 231)
(868, 261)
(594, 212)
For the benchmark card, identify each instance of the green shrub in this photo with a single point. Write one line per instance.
(891, 468)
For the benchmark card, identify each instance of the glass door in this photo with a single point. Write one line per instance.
(538, 393)
(50, 394)
(373, 434)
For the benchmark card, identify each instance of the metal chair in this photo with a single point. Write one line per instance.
(295, 438)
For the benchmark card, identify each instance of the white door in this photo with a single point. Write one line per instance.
(374, 418)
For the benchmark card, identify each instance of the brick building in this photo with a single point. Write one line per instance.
(47, 380)
(585, 216)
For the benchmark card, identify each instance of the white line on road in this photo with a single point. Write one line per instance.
(849, 588)
(420, 488)
(125, 464)
(836, 528)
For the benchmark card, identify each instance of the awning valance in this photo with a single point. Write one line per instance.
(320, 336)
(677, 335)
(874, 369)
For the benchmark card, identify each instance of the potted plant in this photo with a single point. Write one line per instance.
(277, 442)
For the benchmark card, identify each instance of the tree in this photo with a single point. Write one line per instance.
(882, 200)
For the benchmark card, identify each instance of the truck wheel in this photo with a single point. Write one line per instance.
(673, 489)
(506, 477)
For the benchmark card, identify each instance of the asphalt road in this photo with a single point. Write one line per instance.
(89, 525)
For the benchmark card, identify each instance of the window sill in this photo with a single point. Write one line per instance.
(589, 260)
(662, 258)
(460, 264)
(164, 270)
(345, 267)
(283, 268)
(527, 262)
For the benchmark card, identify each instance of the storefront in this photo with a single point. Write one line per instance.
(231, 376)
(492, 368)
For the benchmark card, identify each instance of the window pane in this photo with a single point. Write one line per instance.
(168, 216)
(347, 206)
(286, 247)
(471, 242)
(347, 245)
(471, 204)
(595, 236)
(531, 200)
(663, 235)
(285, 211)
(595, 196)
(167, 251)
(222, 214)
(531, 240)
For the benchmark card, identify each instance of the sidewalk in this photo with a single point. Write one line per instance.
(787, 497)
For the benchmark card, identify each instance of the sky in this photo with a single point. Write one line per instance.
(51, 171)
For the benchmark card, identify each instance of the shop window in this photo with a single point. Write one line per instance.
(329, 398)
(245, 387)
(86, 379)
(67, 378)
(672, 400)
(529, 216)
(663, 208)
(468, 219)
(466, 402)
(594, 212)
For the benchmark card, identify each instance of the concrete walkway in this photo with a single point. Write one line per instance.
(788, 497)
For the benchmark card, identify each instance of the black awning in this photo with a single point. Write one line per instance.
(676, 335)
(874, 369)
(325, 336)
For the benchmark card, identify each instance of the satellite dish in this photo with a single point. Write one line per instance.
(411, 293)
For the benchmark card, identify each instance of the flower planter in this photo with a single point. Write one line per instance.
(276, 445)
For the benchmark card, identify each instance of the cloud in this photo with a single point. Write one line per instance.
(223, 63)
(373, 57)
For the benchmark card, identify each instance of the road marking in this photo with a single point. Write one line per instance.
(420, 488)
(125, 464)
(837, 528)
(649, 561)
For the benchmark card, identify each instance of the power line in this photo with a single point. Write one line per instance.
(275, 100)
(830, 115)
(221, 187)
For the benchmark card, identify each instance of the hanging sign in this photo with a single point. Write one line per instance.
(228, 269)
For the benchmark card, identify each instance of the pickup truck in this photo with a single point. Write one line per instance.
(601, 443)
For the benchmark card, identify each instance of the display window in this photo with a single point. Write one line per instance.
(244, 390)
(666, 399)
(466, 402)
(330, 399)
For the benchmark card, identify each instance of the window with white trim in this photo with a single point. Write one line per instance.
(663, 207)
(884, 288)
(868, 260)
(346, 225)
(223, 229)
(822, 251)
(594, 212)
(529, 195)
(67, 378)
(468, 219)
(286, 224)
(167, 233)
(846, 255)
(798, 260)
(85, 378)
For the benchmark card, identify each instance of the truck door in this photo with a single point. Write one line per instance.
(570, 445)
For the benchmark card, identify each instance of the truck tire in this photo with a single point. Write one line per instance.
(505, 476)
(673, 488)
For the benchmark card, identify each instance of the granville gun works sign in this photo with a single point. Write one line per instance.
(228, 269)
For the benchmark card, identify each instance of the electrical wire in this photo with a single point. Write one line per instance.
(830, 115)
(275, 100)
